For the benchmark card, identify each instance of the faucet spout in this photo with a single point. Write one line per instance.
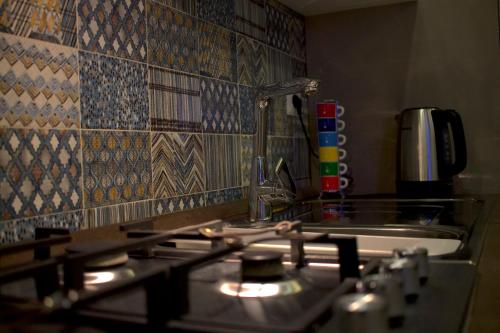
(258, 202)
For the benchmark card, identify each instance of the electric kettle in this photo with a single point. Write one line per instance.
(431, 150)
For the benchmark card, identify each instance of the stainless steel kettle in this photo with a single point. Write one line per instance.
(431, 150)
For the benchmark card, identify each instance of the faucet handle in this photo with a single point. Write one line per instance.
(283, 176)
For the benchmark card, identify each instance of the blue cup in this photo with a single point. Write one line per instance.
(326, 125)
(327, 139)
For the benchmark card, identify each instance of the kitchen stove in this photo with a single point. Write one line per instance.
(146, 282)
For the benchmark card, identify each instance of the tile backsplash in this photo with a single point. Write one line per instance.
(116, 110)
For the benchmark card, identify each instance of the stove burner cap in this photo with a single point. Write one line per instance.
(261, 266)
(112, 260)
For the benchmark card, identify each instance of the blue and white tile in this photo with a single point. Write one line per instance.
(178, 204)
(113, 93)
(225, 195)
(219, 105)
(222, 161)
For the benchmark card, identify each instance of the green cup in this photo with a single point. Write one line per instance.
(329, 169)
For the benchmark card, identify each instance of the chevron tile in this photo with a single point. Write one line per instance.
(247, 97)
(174, 101)
(172, 39)
(113, 27)
(116, 167)
(40, 172)
(38, 84)
(220, 12)
(222, 161)
(251, 18)
(51, 21)
(177, 204)
(225, 195)
(113, 93)
(252, 62)
(219, 105)
(217, 55)
(178, 166)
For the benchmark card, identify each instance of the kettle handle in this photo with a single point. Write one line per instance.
(459, 142)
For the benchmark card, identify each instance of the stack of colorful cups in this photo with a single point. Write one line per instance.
(330, 155)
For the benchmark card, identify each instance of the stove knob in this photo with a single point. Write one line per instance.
(406, 270)
(391, 288)
(420, 256)
(361, 312)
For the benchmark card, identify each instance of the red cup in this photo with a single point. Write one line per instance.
(326, 110)
(330, 183)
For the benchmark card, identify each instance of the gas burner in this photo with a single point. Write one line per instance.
(94, 279)
(103, 262)
(261, 266)
(260, 290)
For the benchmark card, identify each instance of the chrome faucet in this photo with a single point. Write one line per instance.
(265, 192)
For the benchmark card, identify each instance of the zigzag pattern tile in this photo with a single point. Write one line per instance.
(48, 20)
(132, 211)
(24, 229)
(38, 84)
(217, 52)
(172, 39)
(174, 100)
(178, 166)
(251, 18)
(247, 97)
(113, 27)
(40, 172)
(246, 158)
(278, 26)
(226, 195)
(113, 93)
(252, 62)
(176, 204)
(220, 12)
(219, 104)
(222, 161)
(117, 167)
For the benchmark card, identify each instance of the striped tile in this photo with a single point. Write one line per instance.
(220, 12)
(219, 104)
(251, 18)
(300, 159)
(174, 101)
(178, 166)
(226, 195)
(280, 66)
(177, 204)
(38, 84)
(252, 62)
(101, 216)
(222, 161)
(217, 55)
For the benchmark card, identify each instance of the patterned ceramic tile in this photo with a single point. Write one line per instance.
(251, 18)
(220, 12)
(174, 101)
(116, 167)
(280, 147)
(50, 20)
(300, 166)
(172, 39)
(278, 25)
(176, 204)
(246, 158)
(178, 166)
(298, 68)
(247, 109)
(219, 105)
(217, 52)
(280, 66)
(132, 211)
(297, 37)
(222, 161)
(113, 27)
(188, 6)
(38, 84)
(113, 93)
(226, 195)
(40, 172)
(279, 122)
(252, 62)
(24, 229)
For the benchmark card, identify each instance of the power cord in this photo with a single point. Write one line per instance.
(297, 104)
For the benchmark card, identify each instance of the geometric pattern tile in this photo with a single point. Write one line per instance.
(219, 104)
(280, 66)
(174, 101)
(217, 52)
(226, 195)
(300, 166)
(172, 39)
(298, 68)
(113, 27)
(187, 6)
(116, 167)
(297, 37)
(278, 25)
(40, 172)
(279, 122)
(251, 18)
(178, 166)
(38, 84)
(113, 93)
(247, 109)
(222, 161)
(131, 211)
(51, 21)
(220, 12)
(252, 62)
(280, 147)
(177, 204)
(246, 158)
(24, 229)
